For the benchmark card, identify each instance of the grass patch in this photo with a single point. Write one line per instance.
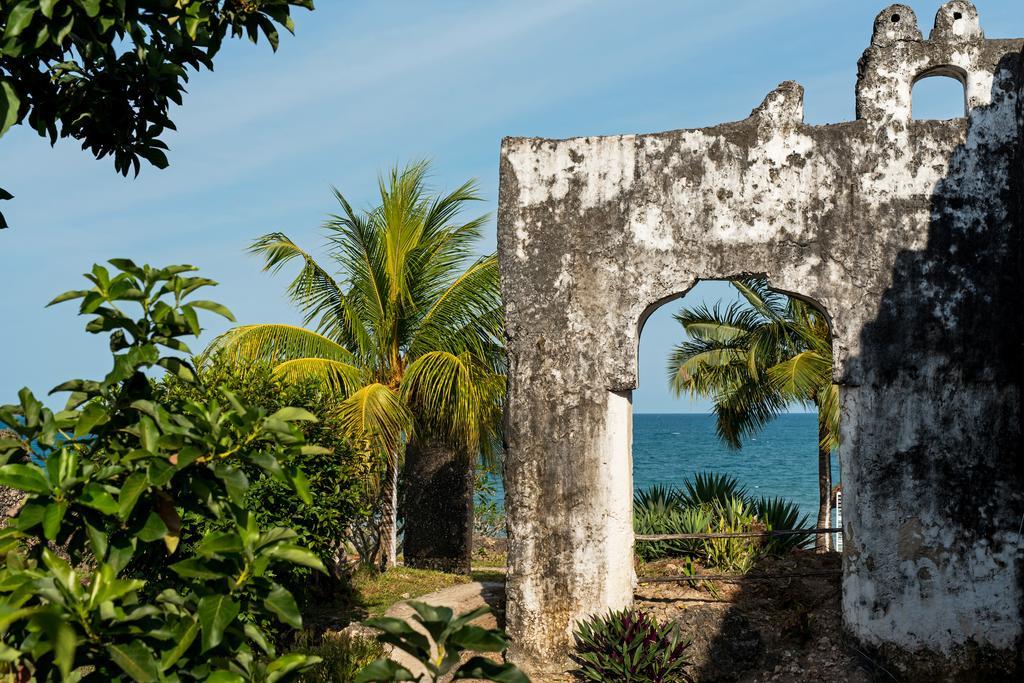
(377, 592)
(488, 574)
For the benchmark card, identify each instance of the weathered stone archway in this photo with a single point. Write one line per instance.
(906, 232)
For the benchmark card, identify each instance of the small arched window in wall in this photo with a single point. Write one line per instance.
(940, 94)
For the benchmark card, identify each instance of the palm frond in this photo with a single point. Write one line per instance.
(276, 344)
(828, 409)
(455, 398)
(314, 291)
(377, 418)
(744, 409)
(702, 367)
(718, 323)
(801, 376)
(466, 315)
(342, 379)
(355, 243)
(762, 298)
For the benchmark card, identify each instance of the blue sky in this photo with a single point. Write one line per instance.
(366, 84)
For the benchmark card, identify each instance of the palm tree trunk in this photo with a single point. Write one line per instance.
(437, 506)
(389, 516)
(821, 543)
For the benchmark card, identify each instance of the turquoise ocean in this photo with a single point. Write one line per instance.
(782, 460)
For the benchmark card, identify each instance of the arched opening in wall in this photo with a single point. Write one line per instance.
(735, 422)
(939, 95)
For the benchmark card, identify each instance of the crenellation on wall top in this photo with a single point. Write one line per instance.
(955, 21)
(893, 24)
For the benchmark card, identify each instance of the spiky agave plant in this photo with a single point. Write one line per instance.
(712, 488)
(629, 645)
(778, 514)
(660, 509)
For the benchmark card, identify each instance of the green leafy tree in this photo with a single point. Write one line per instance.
(754, 360)
(409, 336)
(106, 72)
(124, 476)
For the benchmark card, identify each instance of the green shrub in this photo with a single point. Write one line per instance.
(629, 645)
(342, 656)
(339, 481)
(125, 477)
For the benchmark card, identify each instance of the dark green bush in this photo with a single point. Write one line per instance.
(629, 645)
(339, 481)
(125, 477)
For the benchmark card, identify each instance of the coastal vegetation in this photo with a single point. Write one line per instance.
(714, 503)
(106, 72)
(405, 329)
(755, 360)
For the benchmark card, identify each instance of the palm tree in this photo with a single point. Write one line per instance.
(407, 333)
(756, 359)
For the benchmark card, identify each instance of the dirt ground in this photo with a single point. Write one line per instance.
(744, 630)
(749, 629)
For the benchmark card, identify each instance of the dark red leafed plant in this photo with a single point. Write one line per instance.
(630, 645)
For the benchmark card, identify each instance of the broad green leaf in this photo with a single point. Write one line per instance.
(136, 660)
(255, 634)
(92, 415)
(27, 478)
(298, 555)
(383, 671)
(19, 18)
(402, 634)
(478, 639)
(52, 518)
(130, 491)
(224, 677)
(281, 602)
(91, 7)
(196, 568)
(281, 667)
(9, 105)
(154, 529)
(185, 635)
(96, 497)
(218, 542)
(213, 307)
(481, 668)
(290, 414)
(216, 612)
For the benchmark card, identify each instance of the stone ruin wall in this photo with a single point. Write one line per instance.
(905, 232)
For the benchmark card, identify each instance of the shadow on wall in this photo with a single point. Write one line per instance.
(940, 370)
